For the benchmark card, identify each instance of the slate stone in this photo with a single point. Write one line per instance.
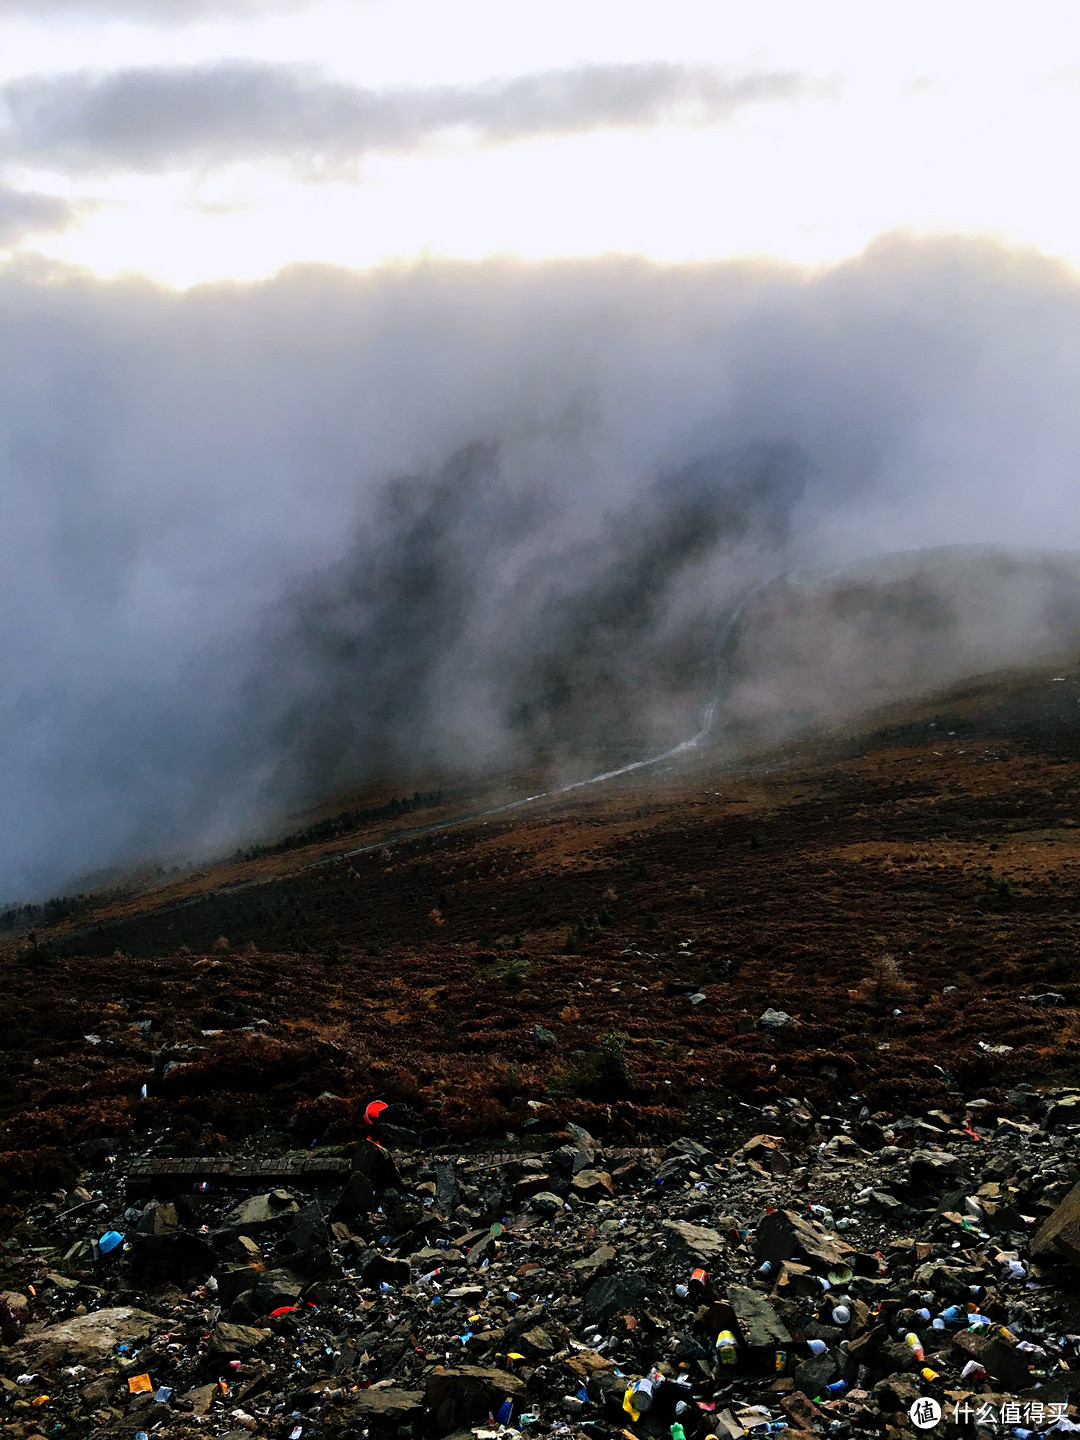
(90, 1338)
(996, 1356)
(815, 1372)
(785, 1234)
(933, 1169)
(1059, 1234)
(386, 1268)
(698, 1242)
(614, 1294)
(467, 1393)
(232, 1340)
(758, 1322)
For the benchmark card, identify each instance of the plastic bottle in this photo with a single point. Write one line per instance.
(836, 1388)
(841, 1315)
(727, 1348)
(914, 1344)
(816, 1347)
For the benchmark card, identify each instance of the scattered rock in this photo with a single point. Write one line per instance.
(232, 1340)
(87, 1339)
(699, 1242)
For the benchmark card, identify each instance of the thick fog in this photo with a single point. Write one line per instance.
(261, 542)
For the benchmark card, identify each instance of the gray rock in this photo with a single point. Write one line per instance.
(775, 1019)
(614, 1293)
(698, 1242)
(392, 1405)
(785, 1234)
(385, 1268)
(357, 1198)
(232, 1340)
(592, 1185)
(545, 1203)
(1063, 1113)
(814, 1373)
(758, 1322)
(467, 1393)
(933, 1169)
(91, 1338)
(261, 1210)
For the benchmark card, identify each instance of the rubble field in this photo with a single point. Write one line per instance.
(718, 1101)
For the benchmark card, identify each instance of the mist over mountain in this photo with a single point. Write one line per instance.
(261, 542)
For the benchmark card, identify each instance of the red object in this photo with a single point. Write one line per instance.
(374, 1110)
(283, 1310)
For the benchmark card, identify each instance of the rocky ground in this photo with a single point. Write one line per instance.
(784, 1268)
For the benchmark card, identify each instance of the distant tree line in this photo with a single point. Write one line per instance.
(45, 912)
(344, 823)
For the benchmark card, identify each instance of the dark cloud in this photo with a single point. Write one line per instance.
(262, 541)
(151, 119)
(23, 213)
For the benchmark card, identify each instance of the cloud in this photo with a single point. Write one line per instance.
(156, 118)
(262, 541)
(156, 12)
(22, 213)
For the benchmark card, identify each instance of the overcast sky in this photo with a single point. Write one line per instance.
(192, 140)
(262, 541)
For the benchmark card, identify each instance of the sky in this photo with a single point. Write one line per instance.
(198, 140)
(405, 387)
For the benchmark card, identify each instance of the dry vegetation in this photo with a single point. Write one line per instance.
(903, 899)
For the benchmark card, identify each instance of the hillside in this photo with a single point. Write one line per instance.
(908, 896)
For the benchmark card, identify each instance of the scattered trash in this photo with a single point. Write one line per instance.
(791, 1271)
